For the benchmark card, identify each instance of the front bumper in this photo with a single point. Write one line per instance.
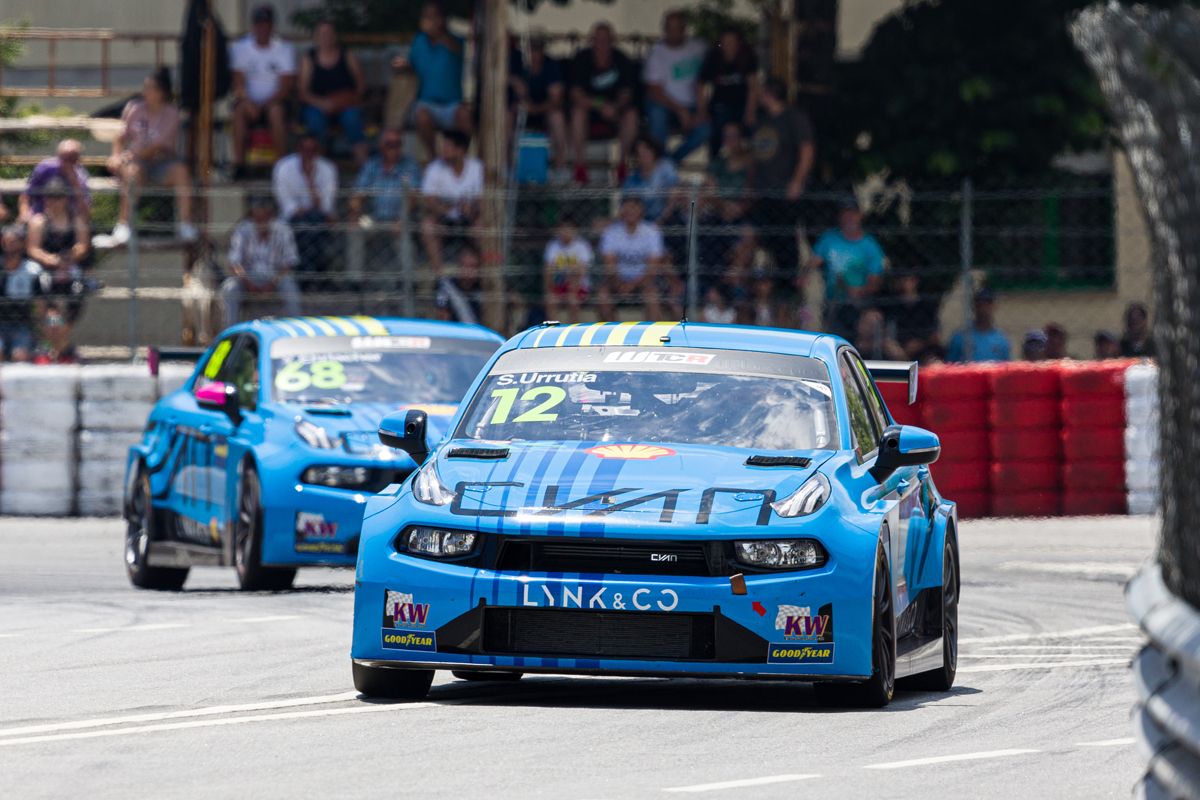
(306, 525)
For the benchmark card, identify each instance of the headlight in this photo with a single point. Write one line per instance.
(316, 436)
(339, 477)
(780, 553)
(438, 543)
(428, 489)
(811, 495)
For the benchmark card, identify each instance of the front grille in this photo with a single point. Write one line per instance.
(608, 556)
(598, 634)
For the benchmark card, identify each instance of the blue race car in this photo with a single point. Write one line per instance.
(264, 459)
(664, 499)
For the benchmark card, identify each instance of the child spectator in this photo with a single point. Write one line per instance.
(305, 188)
(144, 154)
(59, 242)
(1107, 345)
(20, 294)
(603, 83)
(262, 255)
(460, 298)
(1033, 348)
(912, 317)
(566, 278)
(634, 255)
(730, 76)
(783, 153)
(652, 179)
(983, 341)
(451, 188)
(1136, 341)
(436, 57)
(544, 90)
(264, 70)
(852, 262)
(65, 166)
(331, 90)
(671, 77)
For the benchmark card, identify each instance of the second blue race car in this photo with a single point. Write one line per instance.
(266, 456)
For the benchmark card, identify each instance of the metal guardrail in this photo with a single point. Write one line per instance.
(1167, 678)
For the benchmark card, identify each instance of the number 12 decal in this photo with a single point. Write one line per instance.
(539, 413)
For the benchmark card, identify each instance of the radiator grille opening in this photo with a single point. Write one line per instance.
(598, 634)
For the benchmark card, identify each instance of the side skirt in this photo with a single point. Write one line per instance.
(915, 655)
(178, 554)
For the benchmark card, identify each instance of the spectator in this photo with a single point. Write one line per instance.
(65, 166)
(331, 90)
(603, 83)
(144, 154)
(59, 242)
(634, 255)
(983, 341)
(460, 298)
(264, 70)
(671, 76)
(1107, 345)
(1033, 348)
(653, 178)
(1056, 341)
(725, 239)
(852, 263)
(871, 338)
(912, 317)
(436, 57)
(384, 179)
(451, 187)
(730, 76)
(567, 277)
(1136, 341)
(262, 255)
(783, 153)
(305, 188)
(717, 308)
(543, 90)
(20, 294)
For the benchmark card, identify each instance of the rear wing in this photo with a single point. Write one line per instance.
(896, 372)
(157, 355)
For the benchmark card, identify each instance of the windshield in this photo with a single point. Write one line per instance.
(682, 395)
(375, 369)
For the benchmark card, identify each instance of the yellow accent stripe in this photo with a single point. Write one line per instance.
(304, 327)
(345, 325)
(323, 326)
(287, 327)
(374, 327)
(541, 335)
(562, 337)
(617, 335)
(591, 331)
(653, 334)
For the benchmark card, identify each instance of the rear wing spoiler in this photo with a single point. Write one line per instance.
(896, 372)
(157, 355)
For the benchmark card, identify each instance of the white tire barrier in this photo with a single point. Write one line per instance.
(1141, 438)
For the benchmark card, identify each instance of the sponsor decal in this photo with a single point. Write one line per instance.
(798, 623)
(316, 535)
(791, 653)
(630, 452)
(656, 357)
(526, 378)
(390, 343)
(400, 610)
(394, 639)
(578, 596)
(322, 548)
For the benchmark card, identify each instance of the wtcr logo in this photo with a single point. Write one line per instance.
(400, 609)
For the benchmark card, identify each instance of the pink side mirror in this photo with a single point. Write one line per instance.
(213, 395)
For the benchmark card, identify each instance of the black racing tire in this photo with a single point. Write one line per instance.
(878, 690)
(946, 598)
(482, 675)
(392, 683)
(141, 528)
(247, 541)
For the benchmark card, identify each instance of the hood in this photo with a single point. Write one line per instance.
(358, 423)
(592, 484)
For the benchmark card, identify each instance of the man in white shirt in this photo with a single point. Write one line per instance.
(262, 255)
(305, 187)
(635, 262)
(264, 72)
(450, 189)
(566, 280)
(671, 76)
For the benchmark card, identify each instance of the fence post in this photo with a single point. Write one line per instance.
(966, 254)
(407, 286)
(693, 271)
(132, 255)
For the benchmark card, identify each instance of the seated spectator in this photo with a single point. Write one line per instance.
(1107, 345)
(436, 56)
(543, 89)
(264, 70)
(59, 242)
(912, 316)
(331, 90)
(852, 262)
(1033, 347)
(671, 76)
(1136, 341)
(729, 76)
(725, 239)
(66, 167)
(305, 188)
(144, 154)
(983, 341)
(1056, 341)
(603, 82)
(460, 298)
(717, 308)
(871, 338)
(451, 189)
(653, 178)
(634, 261)
(783, 154)
(20, 297)
(383, 180)
(262, 255)
(566, 279)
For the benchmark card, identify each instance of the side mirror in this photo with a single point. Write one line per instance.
(217, 396)
(405, 430)
(905, 446)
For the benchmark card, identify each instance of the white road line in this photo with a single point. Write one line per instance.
(1107, 743)
(1068, 648)
(277, 618)
(1115, 662)
(207, 711)
(8, 635)
(212, 723)
(1074, 633)
(153, 626)
(1081, 656)
(1089, 568)
(742, 784)
(921, 762)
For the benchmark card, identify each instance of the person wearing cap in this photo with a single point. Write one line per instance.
(305, 187)
(262, 255)
(65, 165)
(635, 261)
(450, 192)
(1033, 347)
(983, 341)
(1107, 345)
(264, 72)
(59, 241)
(852, 263)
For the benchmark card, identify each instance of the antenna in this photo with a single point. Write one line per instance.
(693, 278)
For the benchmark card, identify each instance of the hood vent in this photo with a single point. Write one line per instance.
(778, 461)
(479, 452)
(325, 411)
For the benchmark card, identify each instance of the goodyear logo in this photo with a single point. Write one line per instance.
(409, 640)
(630, 452)
(790, 653)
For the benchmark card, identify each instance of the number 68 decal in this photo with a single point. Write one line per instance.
(539, 413)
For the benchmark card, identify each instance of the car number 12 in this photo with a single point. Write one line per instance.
(539, 413)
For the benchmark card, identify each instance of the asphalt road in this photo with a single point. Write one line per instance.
(106, 691)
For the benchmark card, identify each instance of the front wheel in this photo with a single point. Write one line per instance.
(247, 543)
(392, 683)
(942, 679)
(877, 691)
(141, 528)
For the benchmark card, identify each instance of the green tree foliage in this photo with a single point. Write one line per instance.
(394, 16)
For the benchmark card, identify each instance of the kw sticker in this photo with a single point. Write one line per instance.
(798, 623)
(400, 610)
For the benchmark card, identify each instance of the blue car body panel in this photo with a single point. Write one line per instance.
(195, 457)
(811, 623)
